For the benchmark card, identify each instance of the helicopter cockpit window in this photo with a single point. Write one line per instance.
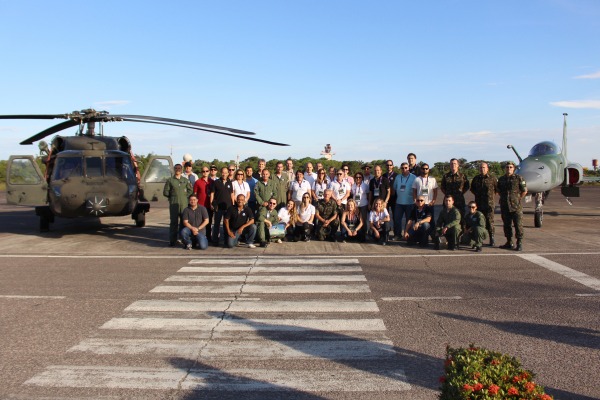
(22, 172)
(93, 167)
(543, 149)
(120, 167)
(67, 167)
(158, 171)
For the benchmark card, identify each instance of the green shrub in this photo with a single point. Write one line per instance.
(476, 373)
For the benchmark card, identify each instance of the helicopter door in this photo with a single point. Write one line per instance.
(25, 183)
(160, 168)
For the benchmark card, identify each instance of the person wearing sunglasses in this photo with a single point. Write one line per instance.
(402, 191)
(427, 187)
(512, 189)
(340, 190)
(231, 170)
(220, 201)
(318, 188)
(419, 224)
(475, 232)
(298, 188)
(240, 186)
(202, 189)
(448, 225)
(379, 222)
(267, 219)
(485, 186)
(306, 216)
(360, 194)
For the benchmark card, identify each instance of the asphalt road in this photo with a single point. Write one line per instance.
(101, 309)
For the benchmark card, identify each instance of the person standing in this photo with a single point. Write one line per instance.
(413, 167)
(240, 186)
(289, 169)
(512, 189)
(455, 184)
(318, 188)
(485, 186)
(189, 173)
(213, 173)
(379, 188)
(264, 190)
(448, 224)
(309, 174)
(195, 220)
(202, 189)
(475, 232)
(177, 189)
(281, 183)
(340, 190)
(239, 222)
(220, 201)
(391, 204)
(367, 173)
(427, 187)
(298, 188)
(251, 181)
(262, 164)
(403, 192)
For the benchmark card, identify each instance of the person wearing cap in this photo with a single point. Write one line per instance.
(213, 170)
(366, 173)
(475, 232)
(512, 189)
(189, 173)
(177, 189)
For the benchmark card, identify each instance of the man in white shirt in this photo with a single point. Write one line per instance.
(341, 190)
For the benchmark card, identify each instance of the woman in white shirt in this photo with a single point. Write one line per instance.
(379, 220)
(288, 216)
(306, 216)
(319, 186)
(360, 194)
(240, 186)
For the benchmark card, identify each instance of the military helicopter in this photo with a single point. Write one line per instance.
(92, 175)
(547, 167)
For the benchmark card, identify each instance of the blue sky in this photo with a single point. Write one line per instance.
(374, 79)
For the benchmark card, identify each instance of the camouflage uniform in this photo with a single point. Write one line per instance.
(485, 187)
(450, 219)
(327, 210)
(456, 185)
(178, 192)
(476, 222)
(262, 233)
(281, 186)
(510, 188)
(264, 192)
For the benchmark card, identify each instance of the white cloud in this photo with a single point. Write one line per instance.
(595, 104)
(595, 75)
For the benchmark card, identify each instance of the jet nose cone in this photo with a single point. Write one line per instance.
(537, 177)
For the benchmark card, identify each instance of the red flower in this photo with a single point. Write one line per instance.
(530, 387)
(477, 387)
(512, 391)
(493, 389)
(495, 362)
(516, 378)
(466, 387)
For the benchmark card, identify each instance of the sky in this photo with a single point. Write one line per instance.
(376, 79)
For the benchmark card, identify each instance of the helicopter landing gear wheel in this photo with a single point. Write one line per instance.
(44, 224)
(140, 220)
(538, 218)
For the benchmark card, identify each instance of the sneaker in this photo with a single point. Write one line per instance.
(279, 241)
(307, 239)
(478, 249)
(188, 247)
(250, 246)
(264, 244)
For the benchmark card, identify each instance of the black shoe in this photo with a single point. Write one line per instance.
(171, 244)
(492, 241)
(436, 243)
(457, 247)
(478, 249)
(508, 245)
(519, 246)
(451, 248)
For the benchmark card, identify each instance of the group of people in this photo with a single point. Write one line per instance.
(258, 207)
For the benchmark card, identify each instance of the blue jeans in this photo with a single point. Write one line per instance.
(188, 238)
(401, 210)
(421, 235)
(249, 232)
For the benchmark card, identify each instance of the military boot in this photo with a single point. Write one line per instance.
(492, 241)
(508, 245)
(519, 245)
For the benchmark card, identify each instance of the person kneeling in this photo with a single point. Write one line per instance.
(352, 223)
(306, 216)
(475, 232)
(448, 224)
(267, 219)
(419, 223)
(379, 219)
(195, 219)
(240, 221)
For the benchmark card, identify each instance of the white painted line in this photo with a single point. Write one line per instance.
(242, 380)
(269, 261)
(266, 278)
(256, 270)
(8, 296)
(421, 298)
(588, 294)
(242, 350)
(263, 289)
(331, 306)
(249, 262)
(229, 324)
(565, 271)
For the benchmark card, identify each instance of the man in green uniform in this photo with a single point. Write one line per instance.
(475, 232)
(281, 183)
(448, 224)
(267, 217)
(456, 184)
(177, 189)
(485, 186)
(512, 189)
(327, 215)
(264, 189)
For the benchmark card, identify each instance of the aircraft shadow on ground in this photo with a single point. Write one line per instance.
(574, 336)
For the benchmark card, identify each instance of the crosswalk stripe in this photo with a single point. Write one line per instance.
(237, 324)
(276, 261)
(256, 270)
(263, 289)
(337, 306)
(266, 278)
(226, 380)
(246, 350)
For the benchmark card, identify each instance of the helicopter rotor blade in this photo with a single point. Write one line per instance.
(182, 122)
(50, 131)
(34, 116)
(205, 129)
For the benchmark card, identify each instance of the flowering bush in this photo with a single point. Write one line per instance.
(478, 374)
